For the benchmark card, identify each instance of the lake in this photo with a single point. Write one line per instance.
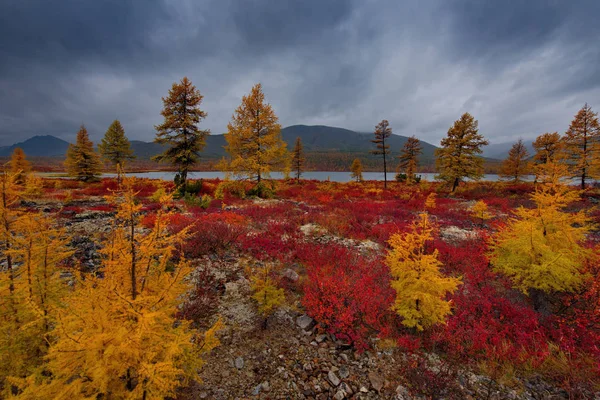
(316, 175)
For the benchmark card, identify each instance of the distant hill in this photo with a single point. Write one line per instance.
(500, 150)
(327, 148)
(38, 146)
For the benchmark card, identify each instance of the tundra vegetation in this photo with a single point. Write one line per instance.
(125, 289)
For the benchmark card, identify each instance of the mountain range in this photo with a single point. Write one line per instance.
(317, 138)
(326, 148)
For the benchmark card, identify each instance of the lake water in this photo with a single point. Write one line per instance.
(316, 175)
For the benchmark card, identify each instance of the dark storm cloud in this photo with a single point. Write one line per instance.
(521, 67)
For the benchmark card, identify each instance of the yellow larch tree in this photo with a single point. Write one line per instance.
(118, 337)
(516, 166)
(265, 291)
(409, 158)
(541, 249)
(458, 158)
(549, 148)
(420, 287)
(480, 211)
(19, 166)
(582, 145)
(254, 140)
(39, 248)
(356, 170)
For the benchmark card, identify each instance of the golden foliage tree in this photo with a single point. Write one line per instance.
(179, 130)
(480, 211)
(516, 166)
(19, 166)
(82, 161)
(115, 147)
(582, 145)
(409, 158)
(39, 248)
(458, 157)
(541, 249)
(420, 287)
(382, 132)
(356, 170)
(118, 337)
(548, 148)
(298, 158)
(266, 293)
(254, 138)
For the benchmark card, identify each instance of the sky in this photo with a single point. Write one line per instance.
(520, 67)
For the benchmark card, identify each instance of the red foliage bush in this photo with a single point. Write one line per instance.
(346, 294)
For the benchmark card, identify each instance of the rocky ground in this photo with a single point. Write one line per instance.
(291, 358)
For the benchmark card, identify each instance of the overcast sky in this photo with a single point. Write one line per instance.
(521, 67)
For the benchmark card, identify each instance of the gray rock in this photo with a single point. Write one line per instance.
(344, 372)
(321, 337)
(291, 275)
(376, 380)
(402, 393)
(363, 389)
(305, 322)
(256, 390)
(333, 379)
(340, 395)
(265, 386)
(239, 363)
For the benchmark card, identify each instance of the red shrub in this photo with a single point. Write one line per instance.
(346, 294)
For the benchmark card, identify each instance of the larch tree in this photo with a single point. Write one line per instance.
(458, 157)
(541, 250)
(516, 166)
(409, 158)
(82, 162)
(356, 170)
(382, 132)
(19, 166)
(582, 145)
(117, 336)
(548, 148)
(254, 140)
(39, 248)
(179, 130)
(115, 147)
(268, 296)
(12, 350)
(420, 287)
(298, 158)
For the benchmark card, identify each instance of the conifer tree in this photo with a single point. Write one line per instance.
(19, 166)
(39, 248)
(179, 130)
(115, 147)
(409, 158)
(548, 148)
(118, 337)
(582, 145)
(254, 138)
(516, 165)
(480, 211)
(382, 132)
(11, 320)
(266, 293)
(458, 157)
(82, 161)
(541, 250)
(298, 158)
(356, 170)
(420, 287)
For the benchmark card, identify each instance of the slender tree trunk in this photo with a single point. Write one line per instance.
(454, 185)
(384, 163)
(133, 277)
